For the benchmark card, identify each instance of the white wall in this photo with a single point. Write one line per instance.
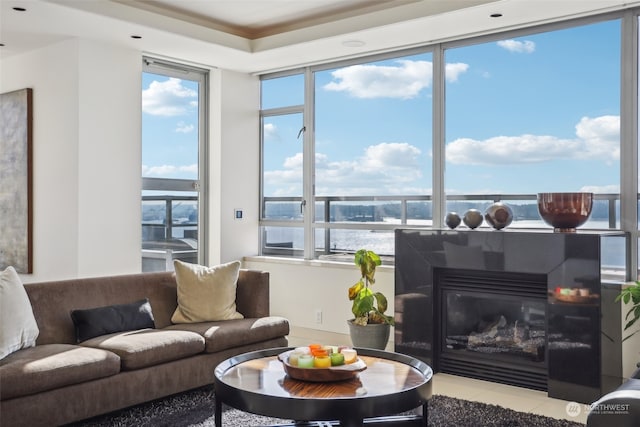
(87, 159)
(109, 184)
(298, 288)
(234, 165)
(86, 137)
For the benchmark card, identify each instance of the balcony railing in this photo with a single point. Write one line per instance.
(386, 213)
(364, 213)
(165, 236)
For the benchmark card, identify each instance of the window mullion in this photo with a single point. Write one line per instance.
(438, 196)
(308, 180)
(629, 138)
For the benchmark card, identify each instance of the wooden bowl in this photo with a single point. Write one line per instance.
(334, 373)
(577, 299)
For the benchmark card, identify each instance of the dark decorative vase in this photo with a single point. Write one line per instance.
(498, 215)
(565, 211)
(452, 220)
(472, 218)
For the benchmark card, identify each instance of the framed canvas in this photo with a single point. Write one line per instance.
(16, 187)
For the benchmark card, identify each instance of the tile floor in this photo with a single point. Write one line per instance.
(516, 398)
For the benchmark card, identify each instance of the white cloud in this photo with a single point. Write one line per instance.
(601, 137)
(596, 138)
(404, 80)
(294, 162)
(182, 127)
(453, 71)
(391, 155)
(601, 189)
(516, 46)
(168, 98)
(168, 170)
(270, 131)
(385, 168)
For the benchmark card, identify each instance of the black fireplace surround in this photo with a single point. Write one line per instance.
(508, 280)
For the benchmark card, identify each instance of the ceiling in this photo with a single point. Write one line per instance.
(254, 19)
(257, 36)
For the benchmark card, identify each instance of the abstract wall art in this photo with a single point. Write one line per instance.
(16, 186)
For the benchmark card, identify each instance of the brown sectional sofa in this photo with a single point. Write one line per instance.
(60, 381)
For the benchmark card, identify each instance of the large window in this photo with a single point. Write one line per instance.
(283, 136)
(173, 135)
(535, 113)
(400, 140)
(368, 171)
(372, 151)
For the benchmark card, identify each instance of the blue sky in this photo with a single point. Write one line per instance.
(169, 127)
(524, 115)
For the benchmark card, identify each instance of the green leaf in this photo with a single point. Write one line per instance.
(381, 300)
(363, 303)
(630, 323)
(367, 261)
(368, 307)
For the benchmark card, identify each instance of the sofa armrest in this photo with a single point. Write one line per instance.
(619, 408)
(252, 293)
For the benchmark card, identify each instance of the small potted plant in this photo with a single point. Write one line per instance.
(631, 294)
(370, 325)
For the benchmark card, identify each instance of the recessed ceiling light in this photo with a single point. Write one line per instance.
(1, 44)
(19, 9)
(496, 15)
(136, 37)
(353, 43)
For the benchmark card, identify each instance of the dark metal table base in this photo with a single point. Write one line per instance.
(390, 421)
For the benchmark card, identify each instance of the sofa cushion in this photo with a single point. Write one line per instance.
(234, 333)
(206, 293)
(148, 347)
(18, 327)
(47, 367)
(94, 322)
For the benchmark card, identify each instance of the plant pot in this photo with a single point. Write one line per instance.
(375, 335)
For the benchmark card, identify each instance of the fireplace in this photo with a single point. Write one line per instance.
(492, 326)
(483, 304)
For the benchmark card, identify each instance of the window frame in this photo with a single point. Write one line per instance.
(199, 185)
(629, 166)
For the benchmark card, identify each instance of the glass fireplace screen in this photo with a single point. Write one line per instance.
(493, 325)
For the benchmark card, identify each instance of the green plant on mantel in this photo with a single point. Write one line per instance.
(368, 306)
(631, 294)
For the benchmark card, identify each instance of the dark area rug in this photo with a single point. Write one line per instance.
(196, 409)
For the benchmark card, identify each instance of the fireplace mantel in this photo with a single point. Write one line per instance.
(575, 348)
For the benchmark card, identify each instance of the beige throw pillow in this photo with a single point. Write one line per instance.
(18, 327)
(206, 294)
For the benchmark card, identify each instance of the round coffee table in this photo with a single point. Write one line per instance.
(393, 383)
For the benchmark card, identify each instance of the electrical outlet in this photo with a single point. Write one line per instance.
(318, 316)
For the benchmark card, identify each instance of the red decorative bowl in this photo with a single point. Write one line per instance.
(565, 211)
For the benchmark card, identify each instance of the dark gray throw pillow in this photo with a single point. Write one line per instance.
(98, 321)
